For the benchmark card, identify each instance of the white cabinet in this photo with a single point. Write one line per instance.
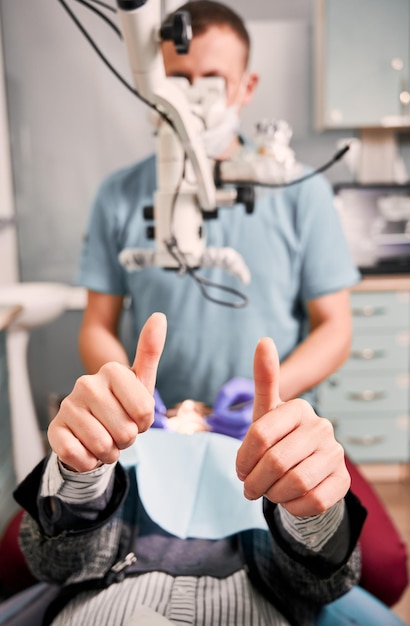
(368, 398)
(363, 63)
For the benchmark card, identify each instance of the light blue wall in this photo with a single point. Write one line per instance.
(72, 123)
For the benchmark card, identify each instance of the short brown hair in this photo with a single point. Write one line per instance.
(207, 13)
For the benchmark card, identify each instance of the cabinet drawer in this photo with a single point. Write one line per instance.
(346, 392)
(380, 310)
(375, 437)
(379, 351)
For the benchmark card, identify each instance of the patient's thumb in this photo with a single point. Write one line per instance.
(149, 350)
(266, 375)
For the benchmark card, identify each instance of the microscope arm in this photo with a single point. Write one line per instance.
(141, 21)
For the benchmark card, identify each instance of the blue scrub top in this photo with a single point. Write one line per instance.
(295, 249)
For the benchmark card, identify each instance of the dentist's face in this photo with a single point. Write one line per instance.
(217, 52)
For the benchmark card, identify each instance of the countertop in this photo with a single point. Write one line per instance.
(393, 282)
(8, 314)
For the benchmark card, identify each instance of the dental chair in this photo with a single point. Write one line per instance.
(358, 608)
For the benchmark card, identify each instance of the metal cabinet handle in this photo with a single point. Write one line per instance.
(368, 311)
(367, 395)
(366, 440)
(367, 354)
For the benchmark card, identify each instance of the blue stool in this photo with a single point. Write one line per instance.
(358, 608)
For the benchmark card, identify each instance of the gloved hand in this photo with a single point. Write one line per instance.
(225, 419)
(160, 418)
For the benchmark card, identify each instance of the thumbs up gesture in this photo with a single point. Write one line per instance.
(289, 455)
(105, 412)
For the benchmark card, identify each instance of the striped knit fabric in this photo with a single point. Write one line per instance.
(184, 600)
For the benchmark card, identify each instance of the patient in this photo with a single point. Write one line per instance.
(188, 417)
(295, 549)
(384, 572)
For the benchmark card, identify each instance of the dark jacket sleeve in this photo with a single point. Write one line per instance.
(297, 581)
(67, 544)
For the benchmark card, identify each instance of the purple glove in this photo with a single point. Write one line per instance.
(160, 419)
(225, 418)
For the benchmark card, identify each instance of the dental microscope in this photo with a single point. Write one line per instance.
(187, 193)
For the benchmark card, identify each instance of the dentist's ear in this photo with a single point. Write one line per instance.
(251, 82)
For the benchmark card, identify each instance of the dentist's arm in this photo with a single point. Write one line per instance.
(98, 341)
(324, 350)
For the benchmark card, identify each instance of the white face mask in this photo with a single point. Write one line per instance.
(221, 121)
(207, 98)
(218, 138)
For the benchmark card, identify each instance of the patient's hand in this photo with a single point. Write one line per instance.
(105, 412)
(289, 454)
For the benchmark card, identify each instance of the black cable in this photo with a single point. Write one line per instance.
(202, 282)
(92, 43)
(101, 15)
(339, 154)
(98, 51)
(105, 5)
(183, 266)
